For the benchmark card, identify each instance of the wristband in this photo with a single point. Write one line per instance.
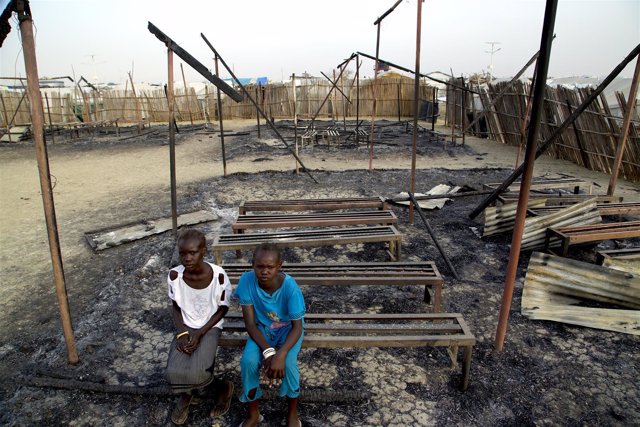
(268, 352)
(181, 334)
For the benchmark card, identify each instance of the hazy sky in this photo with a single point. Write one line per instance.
(281, 37)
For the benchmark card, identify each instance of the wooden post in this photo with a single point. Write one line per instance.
(172, 143)
(433, 107)
(333, 101)
(583, 154)
(6, 117)
(344, 107)
(628, 114)
(186, 93)
(37, 119)
(257, 112)
(399, 112)
(373, 93)
(135, 98)
(295, 117)
(46, 97)
(219, 101)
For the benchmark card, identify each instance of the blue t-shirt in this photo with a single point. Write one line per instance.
(273, 312)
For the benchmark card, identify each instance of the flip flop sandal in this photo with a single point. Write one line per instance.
(261, 419)
(227, 403)
(179, 415)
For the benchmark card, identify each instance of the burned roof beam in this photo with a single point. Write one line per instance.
(194, 63)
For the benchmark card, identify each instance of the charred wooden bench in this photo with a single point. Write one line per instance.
(326, 237)
(620, 254)
(364, 274)
(298, 205)
(591, 233)
(323, 219)
(605, 209)
(560, 199)
(376, 331)
(331, 135)
(547, 184)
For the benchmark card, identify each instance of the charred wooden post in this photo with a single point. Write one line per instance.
(186, 94)
(46, 97)
(529, 160)
(257, 112)
(583, 154)
(37, 118)
(219, 101)
(432, 233)
(558, 131)
(628, 114)
(333, 86)
(295, 118)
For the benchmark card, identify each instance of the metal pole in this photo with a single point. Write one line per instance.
(172, 144)
(373, 93)
(357, 97)
(628, 114)
(433, 236)
(529, 160)
(37, 118)
(416, 98)
(224, 156)
(596, 92)
(295, 118)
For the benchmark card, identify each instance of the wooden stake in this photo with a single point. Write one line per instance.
(219, 101)
(186, 93)
(628, 114)
(295, 119)
(46, 97)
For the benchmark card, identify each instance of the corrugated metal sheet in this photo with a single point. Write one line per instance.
(535, 228)
(554, 284)
(500, 219)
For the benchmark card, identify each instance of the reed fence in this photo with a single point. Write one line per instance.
(590, 142)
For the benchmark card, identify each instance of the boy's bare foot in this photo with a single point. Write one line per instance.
(224, 400)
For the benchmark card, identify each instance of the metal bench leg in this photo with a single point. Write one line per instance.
(466, 367)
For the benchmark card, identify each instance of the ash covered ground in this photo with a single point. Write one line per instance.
(548, 374)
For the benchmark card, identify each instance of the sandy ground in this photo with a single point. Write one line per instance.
(101, 182)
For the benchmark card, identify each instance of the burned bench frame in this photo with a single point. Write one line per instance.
(328, 237)
(297, 205)
(361, 274)
(590, 234)
(323, 219)
(376, 331)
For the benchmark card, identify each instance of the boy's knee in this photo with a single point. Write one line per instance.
(249, 361)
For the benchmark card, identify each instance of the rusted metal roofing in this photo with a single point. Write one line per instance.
(554, 285)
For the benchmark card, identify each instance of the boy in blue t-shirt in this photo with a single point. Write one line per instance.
(273, 310)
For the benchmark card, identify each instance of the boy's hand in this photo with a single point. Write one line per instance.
(275, 366)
